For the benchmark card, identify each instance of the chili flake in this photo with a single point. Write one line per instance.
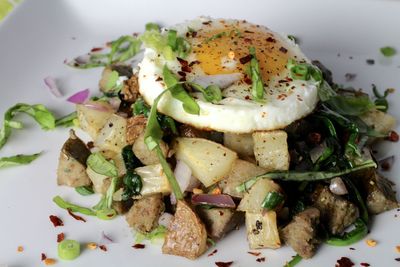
(139, 246)
(103, 247)
(76, 217)
(393, 136)
(213, 253)
(262, 259)
(344, 262)
(223, 264)
(43, 257)
(254, 253)
(60, 237)
(365, 264)
(56, 221)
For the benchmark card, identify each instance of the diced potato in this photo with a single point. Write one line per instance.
(380, 121)
(92, 120)
(271, 150)
(209, 161)
(262, 230)
(241, 171)
(253, 199)
(146, 156)
(113, 134)
(100, 182)
(154, 180)
(243, 144)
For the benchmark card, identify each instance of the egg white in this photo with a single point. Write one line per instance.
(236, 113)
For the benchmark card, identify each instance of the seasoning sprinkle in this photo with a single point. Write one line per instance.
(56, 221)
(398, 249)
(43, 257)
(139, 246)
(254, 253)
(212, 253)
(103, 247)
(223, 264)
(344, 262)
(20, 248)
(371, 242)
(365, 264)
(262, 259)
(49, 262)
(91, 245)
(60, 237)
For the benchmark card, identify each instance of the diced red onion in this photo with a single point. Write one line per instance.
(52, 85)
(221, 80)
(104, 239)
(165, 219)
(79, 97)
(338, 187)
(218, 200)
(183, 175)
(98, 107)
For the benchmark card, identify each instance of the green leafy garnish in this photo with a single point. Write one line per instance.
(122, 49)
(211, 93)
(155, 235)
(355, 235)
(293, 38)
(132, 184)
(106, 201)
(388, 51)
(294, 261)
(100, 165)
(304, 176)
(84, 190)
(152, 27)
(17, 160)
(178, 92)
(140, 108)
(153, 135)
(67, 120)
(38, 112)
(257, 89)
(272, 200)
(74, 208)
(350, 105)
(381, 100)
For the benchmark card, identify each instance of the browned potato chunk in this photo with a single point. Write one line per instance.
(187, 235)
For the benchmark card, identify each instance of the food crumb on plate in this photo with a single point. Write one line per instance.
(20, 248)
(398, 249)
(371, 242)
(60, 237)
(213, 253)
(91, 245)
(49, 261)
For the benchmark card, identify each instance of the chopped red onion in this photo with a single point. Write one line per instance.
(104, 239)
(218, 200)
(183, 175)
(165, 219)
(98, 107)
(79, 97)
(52, 85)
(338, 187)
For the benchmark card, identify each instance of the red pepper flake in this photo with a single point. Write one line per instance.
(90, 144)
(393, 136)
(314, 138)
(352, 248)
(96, 49)
(254, 253)
(139, 246)
(56, 221)
(344, 262)
(186, 69)
(397, 259)
(103, 247)
(213, 253)
(247, 97)
(60, 237)
(370, 61)
(283, 50)
(350, 76)
(365, 264)
(271, 40)
(223, 264)
(76, 217)
(262, 259)
(193, 63)
(245, 59)
(43, 257)
(182, 61)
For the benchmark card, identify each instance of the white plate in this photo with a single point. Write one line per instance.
(40, 34)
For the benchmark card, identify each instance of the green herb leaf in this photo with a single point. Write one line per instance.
(257, 89)
(304, 176)
(17, 160)
(388, 51)
(130, 160)
(74, 208)
(293, 38)
(294, 261)
(153, 236)
(132, 185)
(272, 200)
(350, 105)
(84, 190)
(38, 112)
(67, 120)
(349, 238)
(140, 108)
(381, 100)
(100, 165)
(211, 93)
(152, 27)
(178, 92)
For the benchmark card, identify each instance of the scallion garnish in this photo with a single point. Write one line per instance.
(84, 190)
(211, 93)
(17, 160)
(74, 208)
(388, 51)
(69, 249)
(152, 27)
(355, 235)
(257, 89)
(272, 200)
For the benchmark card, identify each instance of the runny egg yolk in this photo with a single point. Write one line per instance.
(232, 42)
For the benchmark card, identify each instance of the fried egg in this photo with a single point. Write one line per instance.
(220, 55)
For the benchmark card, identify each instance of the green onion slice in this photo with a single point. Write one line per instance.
(69, 249)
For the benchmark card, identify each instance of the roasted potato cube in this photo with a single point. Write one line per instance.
(187, 235)
(241, 171)
(253, 199)
(92, 120)
(379, 120)
(271, 150)
(209, 161)
(243, 144)
(262, 230)
(113, 134)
